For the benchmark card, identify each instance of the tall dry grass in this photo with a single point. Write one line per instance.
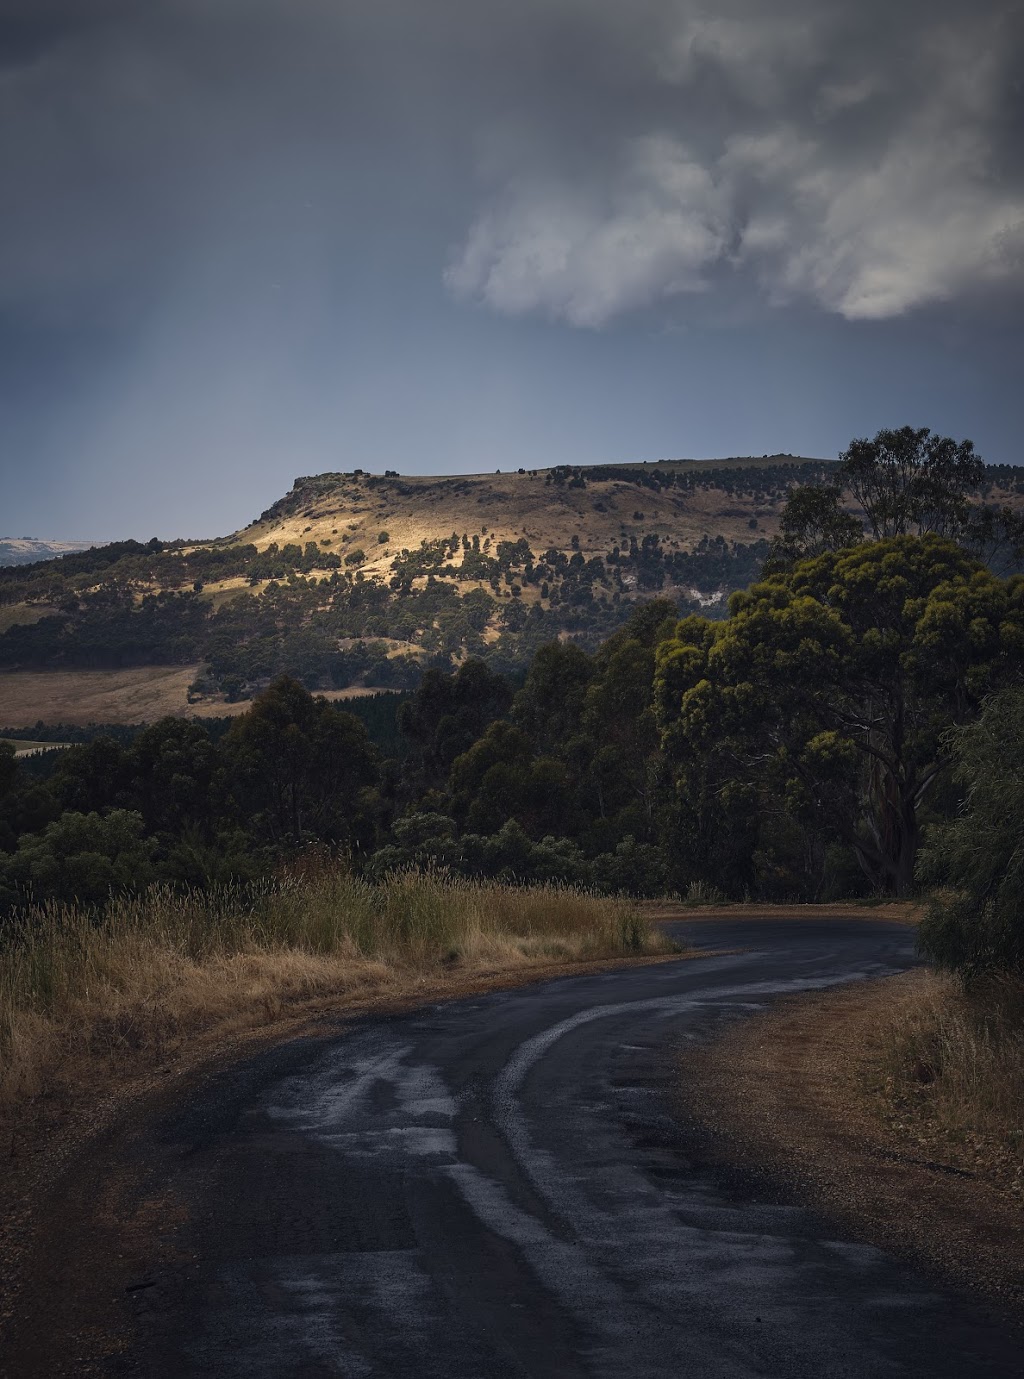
(955, 1059)
(155, 969)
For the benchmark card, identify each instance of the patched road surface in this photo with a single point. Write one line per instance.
(500, 1187)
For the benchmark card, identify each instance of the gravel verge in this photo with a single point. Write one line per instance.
(797, 1098)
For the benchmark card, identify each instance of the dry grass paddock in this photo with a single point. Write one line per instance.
(79, 994)
(141, 694)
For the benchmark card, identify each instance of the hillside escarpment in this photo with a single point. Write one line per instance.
(356, 579)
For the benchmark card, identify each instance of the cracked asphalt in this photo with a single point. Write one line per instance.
(500, 1186)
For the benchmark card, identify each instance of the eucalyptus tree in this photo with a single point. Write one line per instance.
(832, 686)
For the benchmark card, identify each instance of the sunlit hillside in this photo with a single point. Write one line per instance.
(354, 581)
(588, 509)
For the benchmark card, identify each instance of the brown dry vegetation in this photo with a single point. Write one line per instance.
(80, 1000)
(888, 911)
(142, 694)
(895, 1106)
(508, 506)
(22, 614)
(139, 695)
(952, 1073)
(98, 1022)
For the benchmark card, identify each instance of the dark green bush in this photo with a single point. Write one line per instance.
(975, 921)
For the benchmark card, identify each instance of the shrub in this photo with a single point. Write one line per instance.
(975, 921)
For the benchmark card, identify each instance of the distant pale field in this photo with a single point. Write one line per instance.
(24, 748)
(140, 695)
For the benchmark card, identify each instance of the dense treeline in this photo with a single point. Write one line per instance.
(181, 805)
(803, 747)
(767, 481)
(377, 711)
(794, 750)
(975, 859)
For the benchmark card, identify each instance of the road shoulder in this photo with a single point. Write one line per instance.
(794, 1097)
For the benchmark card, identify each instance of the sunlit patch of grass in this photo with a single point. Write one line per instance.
(24, 745)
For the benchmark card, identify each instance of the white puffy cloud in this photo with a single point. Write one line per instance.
(549, 248)
(857, 160)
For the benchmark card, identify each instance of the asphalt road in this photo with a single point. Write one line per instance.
(499, 1187)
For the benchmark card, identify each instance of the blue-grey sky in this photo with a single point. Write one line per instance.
(242, 240)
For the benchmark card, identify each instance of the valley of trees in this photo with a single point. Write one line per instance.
(851, 728)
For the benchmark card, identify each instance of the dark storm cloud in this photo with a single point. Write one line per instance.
(866, 157)
(31, 28)
(138, 147)
(601, 156)
(233, 231)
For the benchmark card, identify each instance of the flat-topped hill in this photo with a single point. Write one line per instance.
(356, 580)
(570, 508)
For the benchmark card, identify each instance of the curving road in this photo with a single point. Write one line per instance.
(497, 1187)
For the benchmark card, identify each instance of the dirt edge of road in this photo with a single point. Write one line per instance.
(883, 912)
(794, 1098)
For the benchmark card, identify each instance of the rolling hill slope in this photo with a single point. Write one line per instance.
(354, 580)
(600, 506)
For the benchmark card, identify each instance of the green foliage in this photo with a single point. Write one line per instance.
(834, 684)
(550, 704)
(975, 923)
(904, 482)
(81, 857)
(448, 713)
(909, 482)
(299, 766)
(206, 806)
(813, 522)
(8, 767)
(428, 841)
(633, 868)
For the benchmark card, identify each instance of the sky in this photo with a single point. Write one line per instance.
(244, 240)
